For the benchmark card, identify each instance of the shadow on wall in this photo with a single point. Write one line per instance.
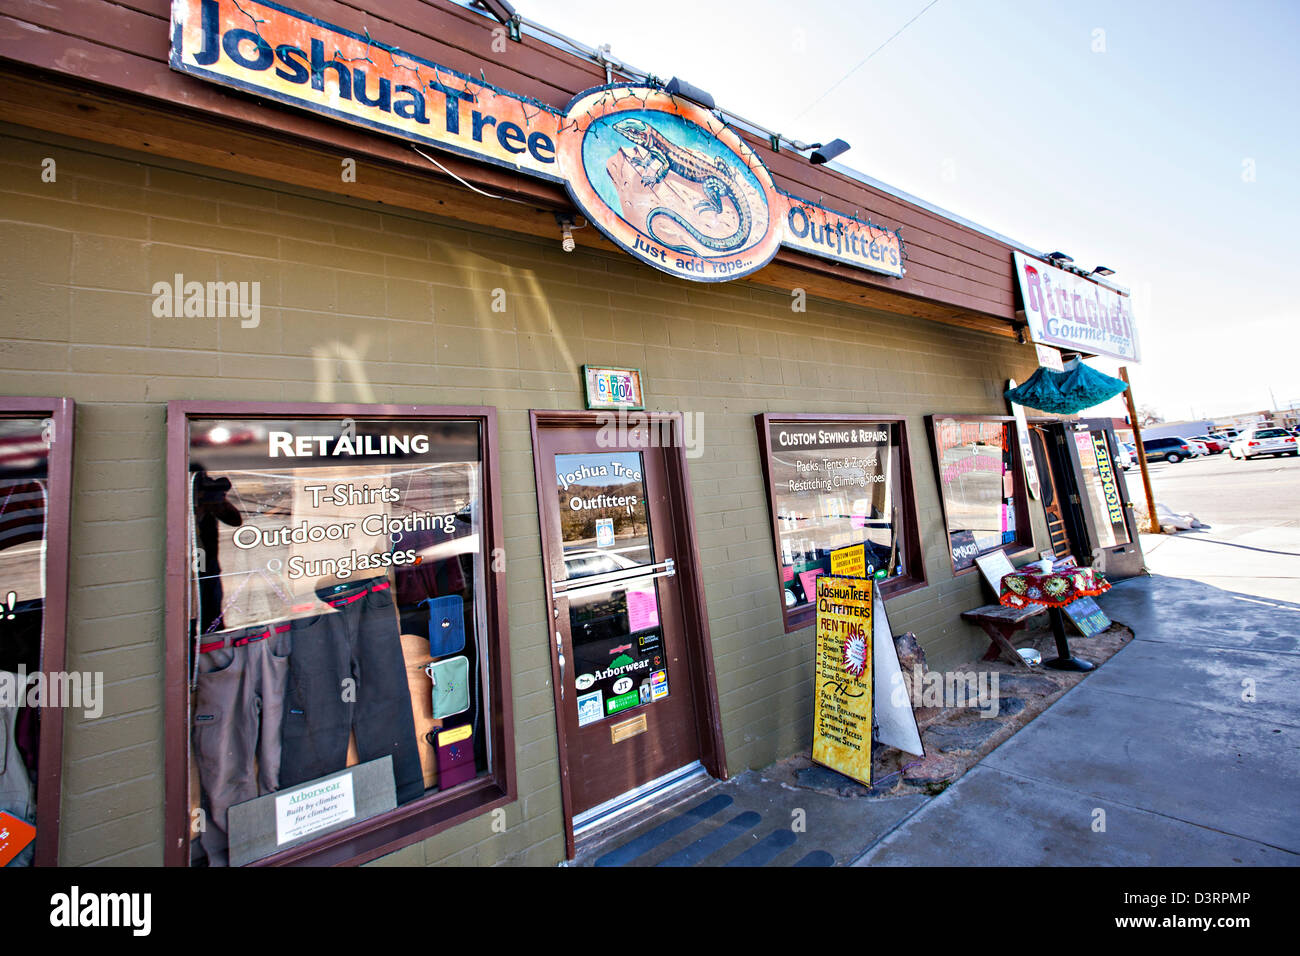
(502, 297)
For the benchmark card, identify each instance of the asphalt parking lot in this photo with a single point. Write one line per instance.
(1219, 490)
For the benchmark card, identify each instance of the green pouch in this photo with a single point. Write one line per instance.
(450, 685)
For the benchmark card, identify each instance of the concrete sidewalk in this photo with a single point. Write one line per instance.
(1184, 749)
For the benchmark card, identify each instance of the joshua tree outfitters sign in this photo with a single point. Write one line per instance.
(665, 179)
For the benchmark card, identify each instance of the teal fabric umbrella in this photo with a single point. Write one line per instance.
(1067, 392)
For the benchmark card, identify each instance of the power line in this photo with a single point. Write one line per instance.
(868, 57)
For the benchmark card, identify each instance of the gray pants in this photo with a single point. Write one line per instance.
(238, 719)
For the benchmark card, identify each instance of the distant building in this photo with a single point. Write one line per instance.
(1285, 417)
(1184, 429)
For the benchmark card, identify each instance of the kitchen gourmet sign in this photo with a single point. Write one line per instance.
(1070, 312)
(665, 179)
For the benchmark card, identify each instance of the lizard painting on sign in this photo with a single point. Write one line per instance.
(661, 156)
(671, 183)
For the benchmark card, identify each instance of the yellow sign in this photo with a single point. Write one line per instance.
(448, 737)
(842, 709)
(849, 562)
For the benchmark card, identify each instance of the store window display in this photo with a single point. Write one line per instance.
(339, 666)
(835, 483)
(981, 486)
(35, 457)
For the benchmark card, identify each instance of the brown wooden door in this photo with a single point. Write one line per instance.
(625, 694)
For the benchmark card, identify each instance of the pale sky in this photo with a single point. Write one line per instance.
(1160, 139)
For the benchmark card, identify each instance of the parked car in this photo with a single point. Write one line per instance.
(1124, 458)
(1264, 440)
(1198, 447)
(1172, 450)
(1215, 445)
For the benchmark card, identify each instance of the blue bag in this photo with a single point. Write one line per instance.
(446, 625)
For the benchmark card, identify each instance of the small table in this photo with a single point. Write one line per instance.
(1053, 590)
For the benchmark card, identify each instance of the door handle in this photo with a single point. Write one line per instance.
(601, 582)
(559, 652)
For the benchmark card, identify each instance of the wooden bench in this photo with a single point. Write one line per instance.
(1000, 623)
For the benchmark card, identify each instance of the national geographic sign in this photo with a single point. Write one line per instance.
(842, 709)
(662, 177)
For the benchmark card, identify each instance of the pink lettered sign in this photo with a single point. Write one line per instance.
(642, 610)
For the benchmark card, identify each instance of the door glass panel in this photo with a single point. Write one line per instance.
(1101, 488)
(603, 518)
(616, 629)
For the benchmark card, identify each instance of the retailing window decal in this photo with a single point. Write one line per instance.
(337, 579)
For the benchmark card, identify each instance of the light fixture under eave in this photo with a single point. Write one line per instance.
(1059, 257)
(679, 87)
(565, 222)
(503, 12)
(1103, 271)
(825, 152)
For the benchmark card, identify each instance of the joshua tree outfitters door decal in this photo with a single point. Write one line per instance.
(670, 183)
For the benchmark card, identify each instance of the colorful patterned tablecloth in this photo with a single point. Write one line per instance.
(1058, 588)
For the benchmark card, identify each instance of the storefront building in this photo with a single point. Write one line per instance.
(393, 530)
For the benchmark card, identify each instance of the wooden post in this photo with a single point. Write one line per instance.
(1154, 522)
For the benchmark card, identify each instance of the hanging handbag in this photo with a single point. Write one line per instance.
(451, 686)
(455, 756)
(446, 625)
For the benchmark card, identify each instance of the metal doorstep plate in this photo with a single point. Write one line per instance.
(597, 817)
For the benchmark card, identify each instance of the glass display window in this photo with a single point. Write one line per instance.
(35, 690)
(342, 619)
(840, 495)
(981, 486)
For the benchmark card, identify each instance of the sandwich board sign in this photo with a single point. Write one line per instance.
(845, 681)
(891, 710)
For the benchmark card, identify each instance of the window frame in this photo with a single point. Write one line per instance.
(1024, 540)
(54, 623)
(904, 490)
(420, 819)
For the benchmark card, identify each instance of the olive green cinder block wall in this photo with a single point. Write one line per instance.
(360, 303)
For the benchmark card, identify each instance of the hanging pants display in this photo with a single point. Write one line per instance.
(347, 675)
(238, 716)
